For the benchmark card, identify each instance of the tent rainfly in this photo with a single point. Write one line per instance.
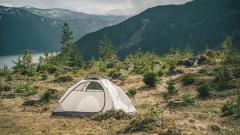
(91, 96)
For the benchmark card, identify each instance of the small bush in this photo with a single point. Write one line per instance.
(48, 95)
(188, 99)
(204, 91)
(44, 76)
(26, 90)
(171, 130)
(4, 87)
(170, 88)
(60, 72)
(132, 92)
(52, 69)
(144, 123)
(116, 114)
(31, 72)
(172, 68)
(9, 77)
(160, 73)
(228, 108)
(203, 71)
(111, 64)
(223, 79)
(5, 71)
(123, 77)
(188, 79)
(65, 78)
(114, 74)
(236, 72)
(166, 96)
(150, 79)
(1, 87)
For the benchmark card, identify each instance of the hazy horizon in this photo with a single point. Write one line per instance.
(103, 7)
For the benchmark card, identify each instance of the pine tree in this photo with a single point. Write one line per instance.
(67, 38)
(74, 57)
(18, 64)
(107, 49)
(27, 59)
(70, 54)
(231, 54)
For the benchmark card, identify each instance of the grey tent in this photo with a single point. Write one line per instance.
(91, 96)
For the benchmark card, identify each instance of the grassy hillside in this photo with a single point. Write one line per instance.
(173, 96)
(198, 24)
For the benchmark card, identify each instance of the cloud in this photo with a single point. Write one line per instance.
(140, 5)
(94, 6)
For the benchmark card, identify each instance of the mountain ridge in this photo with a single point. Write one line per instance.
(197, 24)
(37, 30)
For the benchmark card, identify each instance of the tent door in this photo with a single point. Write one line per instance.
(90, 99)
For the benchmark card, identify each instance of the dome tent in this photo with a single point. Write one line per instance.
(91, 96)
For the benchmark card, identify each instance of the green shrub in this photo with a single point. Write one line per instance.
(123, 77)
(111, 64)
(26, 90)
(52, 69)
(44, 76)
(144, 123)
(132, 92)
(171, 129)
(1, 87)
(9, 77)
(60, 72)
(116, 114)
(160, 73)
(65, 78)
(166, 96)
(172, 68)
(203, 71)
(48, 95)
(4, 87)
(142, 62)
(170, 88)
(150, 79)
(114, 74)
(204, 90)
(188, 79)
(30, 72)
(224, 79)
(187, 99)
(228, 108)
(5, 71)
(236, 72)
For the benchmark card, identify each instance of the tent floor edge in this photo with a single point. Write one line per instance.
(74, 114)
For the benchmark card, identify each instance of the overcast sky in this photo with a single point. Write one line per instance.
(119, 7)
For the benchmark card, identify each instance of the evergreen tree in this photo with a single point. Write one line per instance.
(27, 59)
(18, 66)
(107, 49)
(74, 57)
(67, 38)
(231, 54)
(70, 54)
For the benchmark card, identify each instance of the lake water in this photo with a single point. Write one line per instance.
(7, 60)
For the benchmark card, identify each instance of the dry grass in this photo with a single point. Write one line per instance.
(199, 119)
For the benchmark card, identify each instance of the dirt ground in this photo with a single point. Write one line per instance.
(202, 118)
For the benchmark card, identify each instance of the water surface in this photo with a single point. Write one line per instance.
(7, 60)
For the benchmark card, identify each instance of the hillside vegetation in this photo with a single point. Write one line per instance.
(176, 93)
(199, 24)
